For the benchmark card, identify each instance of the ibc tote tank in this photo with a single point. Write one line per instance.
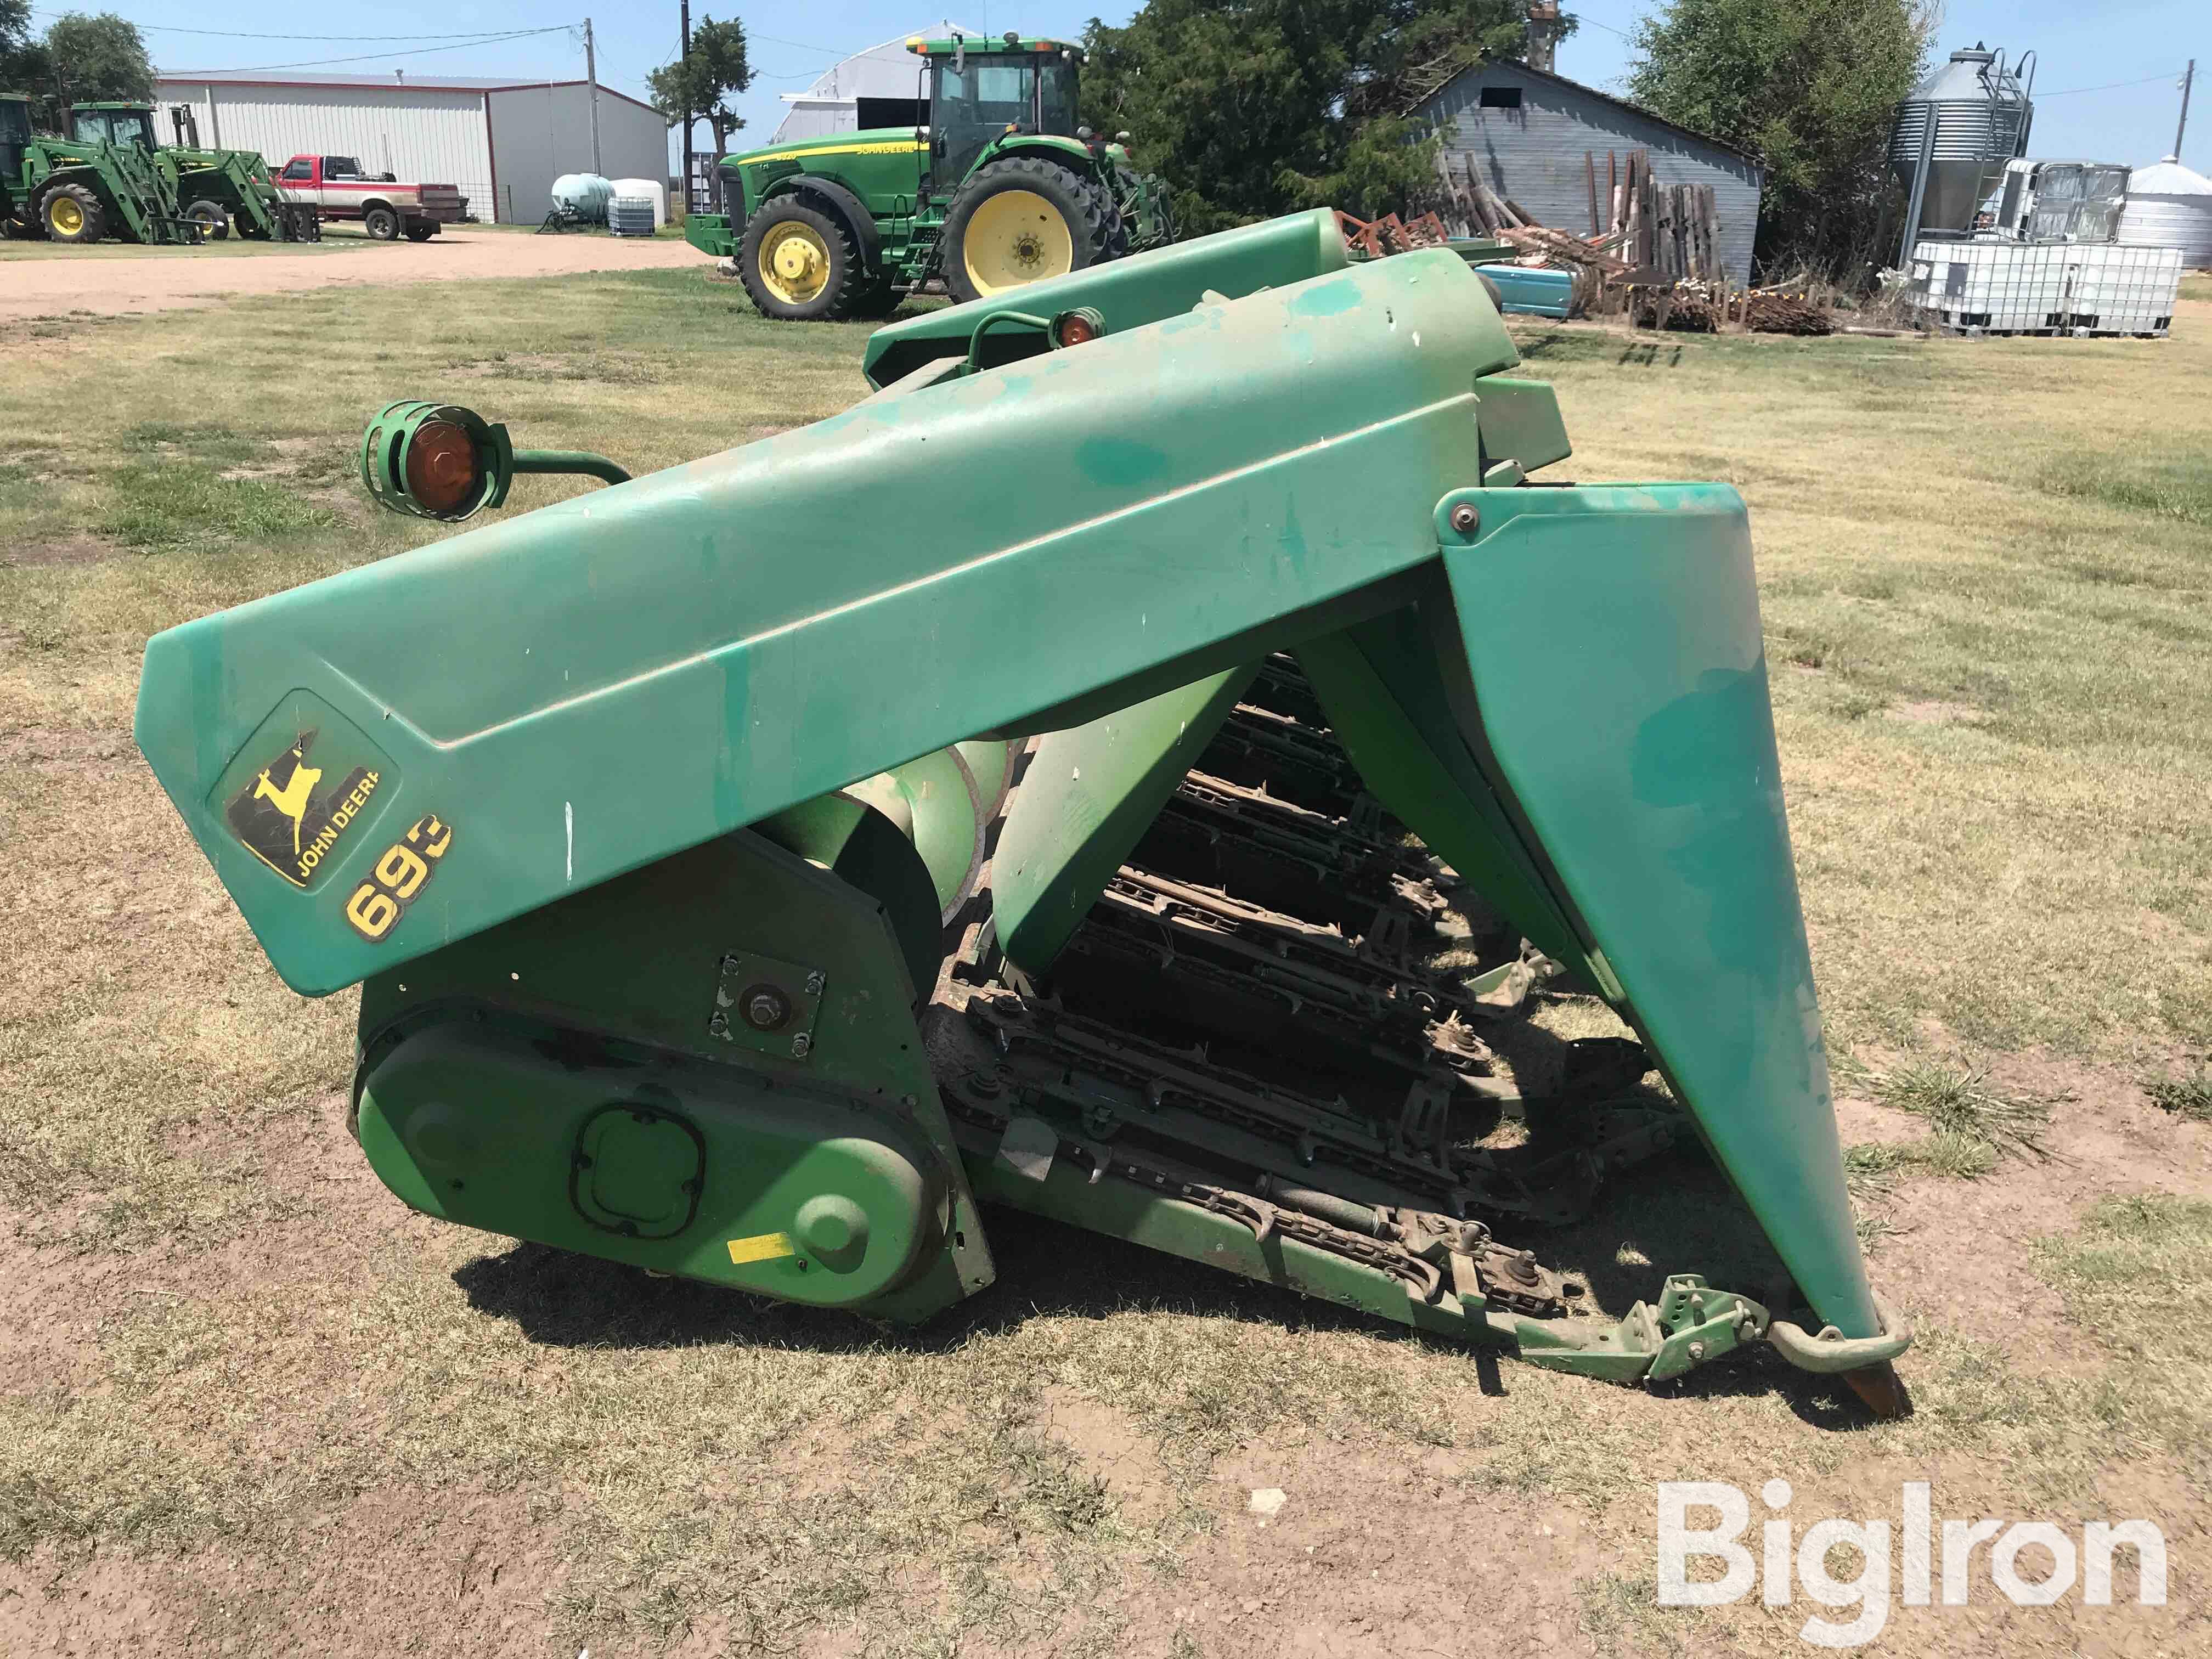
(651, 187)
(2169, 205)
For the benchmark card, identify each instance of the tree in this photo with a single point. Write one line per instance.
(92, 59)
(14, 41)
(1251, 108)
(715, 67)
(22, 60)
(1812, 88)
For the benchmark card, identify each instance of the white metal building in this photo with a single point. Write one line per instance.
(502, 143)
(879, 87)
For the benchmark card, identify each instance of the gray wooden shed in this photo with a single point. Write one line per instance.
(1528, 133)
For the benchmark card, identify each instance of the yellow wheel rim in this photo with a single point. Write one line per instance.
(795, 263)
(1016, 237)
(65, 217)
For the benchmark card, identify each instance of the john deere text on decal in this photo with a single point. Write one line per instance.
(284, 819)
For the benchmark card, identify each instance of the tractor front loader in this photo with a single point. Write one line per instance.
(82, 189)
(215, 189)
(1160, 831)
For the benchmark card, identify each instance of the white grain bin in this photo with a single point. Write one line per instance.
(651, 187)
(2169, 205)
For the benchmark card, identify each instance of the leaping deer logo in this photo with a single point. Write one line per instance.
(299, 789)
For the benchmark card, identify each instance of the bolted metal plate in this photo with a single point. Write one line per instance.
(765, 1005)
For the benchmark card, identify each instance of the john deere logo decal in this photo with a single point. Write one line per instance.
(289, 820)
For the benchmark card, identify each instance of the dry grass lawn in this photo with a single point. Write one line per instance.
(248, 1403)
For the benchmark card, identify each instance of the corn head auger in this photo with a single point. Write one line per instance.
(1133, 768)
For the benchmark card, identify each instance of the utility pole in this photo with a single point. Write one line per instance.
(2188, 80)
(686, 61)
(592, 78)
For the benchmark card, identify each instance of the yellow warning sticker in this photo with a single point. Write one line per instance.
(761, 1246)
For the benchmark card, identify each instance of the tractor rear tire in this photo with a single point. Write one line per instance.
(210, 217)
(1118, 231)
(1021, 219)
(802, 264)
(72, 214)
(381, 223)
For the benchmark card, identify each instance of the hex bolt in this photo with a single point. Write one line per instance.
(801, 1046)
(717, 1025)
(815, 982)
(1697, 1350)
(1465, 517)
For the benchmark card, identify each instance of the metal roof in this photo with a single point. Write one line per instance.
(395, 83)
(2168, 177)
(1519, 67)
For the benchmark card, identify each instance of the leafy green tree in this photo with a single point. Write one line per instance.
(716, 67)
(92, 58)
(1811, 88)
(1250, 108)
(15, 45)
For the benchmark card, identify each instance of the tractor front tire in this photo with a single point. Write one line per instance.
(71, 213)
(801, 264)
(210, 218)
(1021, 219)
(381, 223)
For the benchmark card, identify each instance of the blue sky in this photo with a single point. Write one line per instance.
(2140, 43)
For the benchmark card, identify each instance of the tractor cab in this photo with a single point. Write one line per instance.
(977, 96)
(14, 137)
(119, 124)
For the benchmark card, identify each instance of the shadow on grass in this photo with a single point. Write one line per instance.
(1681, 1216)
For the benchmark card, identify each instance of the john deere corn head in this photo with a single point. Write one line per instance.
(1134, 768)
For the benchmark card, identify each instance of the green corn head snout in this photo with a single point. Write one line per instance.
(1032, 787)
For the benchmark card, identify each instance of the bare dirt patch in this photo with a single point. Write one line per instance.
(1961, 1256)
(37, 288)
(69, 549)
(461, 1572)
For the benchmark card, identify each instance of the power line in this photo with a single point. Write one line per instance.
(378, 57)
(802, 44)
(239, 34)
(2171, 74)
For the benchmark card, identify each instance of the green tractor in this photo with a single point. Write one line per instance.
(216, 189)
(992, 184)
(84, 188)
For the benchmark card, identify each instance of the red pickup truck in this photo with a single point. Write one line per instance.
(337, 188)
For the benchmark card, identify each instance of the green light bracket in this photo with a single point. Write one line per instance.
(403, 459)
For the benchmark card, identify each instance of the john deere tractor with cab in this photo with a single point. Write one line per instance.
(215, 189)
(987, 183)
(81, 189)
